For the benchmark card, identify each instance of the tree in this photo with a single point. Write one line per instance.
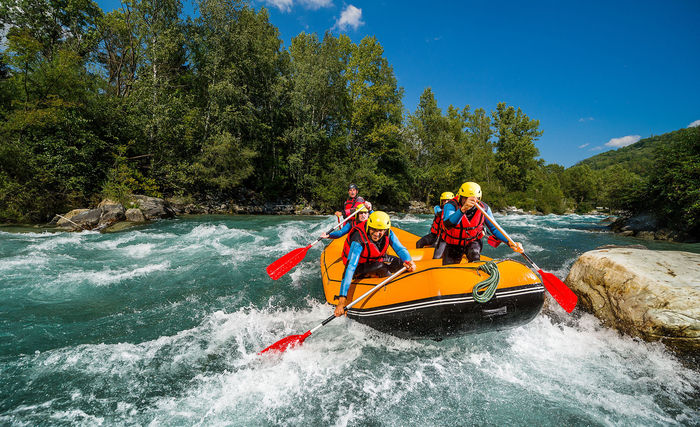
(121, 49)
(515, 146)
(436, 151)
(673, 192)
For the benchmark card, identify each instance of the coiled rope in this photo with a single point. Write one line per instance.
(484, 290)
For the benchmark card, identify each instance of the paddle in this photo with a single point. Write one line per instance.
(294, 340)
(561, 293)
(280, 267)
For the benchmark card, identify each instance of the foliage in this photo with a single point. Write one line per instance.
(143, 99)
(673, 190)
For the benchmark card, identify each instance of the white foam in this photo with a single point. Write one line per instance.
(59, 239)
(139, 251)
(31, 261)
(108, 276)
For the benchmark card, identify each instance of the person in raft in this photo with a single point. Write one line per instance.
(351, 203)
(464, 226)
(365, 211)
(365, 254)
(436, 228)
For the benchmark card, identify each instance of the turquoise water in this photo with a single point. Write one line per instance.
(161, 324)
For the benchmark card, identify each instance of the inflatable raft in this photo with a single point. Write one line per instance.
(436, 301)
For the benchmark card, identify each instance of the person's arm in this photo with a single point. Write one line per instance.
(497, 234)
(353, 260)
(437, 209)
(401, 251)
(345, 229)
(450, 215)
(516, 246)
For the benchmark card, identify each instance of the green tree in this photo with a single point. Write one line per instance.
(673, 192)
(516, 151)
(581, 184)
(436, 151)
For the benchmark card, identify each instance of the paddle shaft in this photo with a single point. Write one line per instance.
(293, 340)
(558, 289)
(360, 298)
(334, 227)
(495, 224)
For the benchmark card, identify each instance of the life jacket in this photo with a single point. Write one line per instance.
(437, 227)
(371, 251)
(467, 230)
(351, 204)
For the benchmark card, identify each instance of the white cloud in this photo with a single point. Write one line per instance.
(282, 5)
(598, 148)
(623, 142)
(584, 145)
(586, 119)
(351, 17)
(695, 124)
(316, 4)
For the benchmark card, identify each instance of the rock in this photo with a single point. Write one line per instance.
(63, 222)
(654, 295)
(111, 212)
(134, 215)
(416, 207)
(119, 226)
(646, 235)
(665, 234)
(306, 210)
(512, 210)
(87, 219)
(153, 207)
(608, 221)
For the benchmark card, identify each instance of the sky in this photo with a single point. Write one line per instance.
(598, 75)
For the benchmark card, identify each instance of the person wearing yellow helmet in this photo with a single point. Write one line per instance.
(351, 203)
(464, 226)
(365, 253)
(365, 211)
(434, 237)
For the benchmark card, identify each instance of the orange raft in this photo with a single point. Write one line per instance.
(436, 301)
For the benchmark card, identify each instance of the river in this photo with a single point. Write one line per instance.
(161, 325)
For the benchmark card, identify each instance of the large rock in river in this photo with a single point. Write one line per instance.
(153, 207)
(654, 295)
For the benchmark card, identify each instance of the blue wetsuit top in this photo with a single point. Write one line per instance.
(342, 231)
(354, 258)
(437, 209)
(454, 216)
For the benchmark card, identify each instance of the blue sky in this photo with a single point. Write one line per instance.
(596, 74)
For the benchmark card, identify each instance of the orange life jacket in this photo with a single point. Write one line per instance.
(371, 251)
(467, 230)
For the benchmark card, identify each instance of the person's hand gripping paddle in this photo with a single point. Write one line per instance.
(294, 340)
(280, 267)
(561, 293)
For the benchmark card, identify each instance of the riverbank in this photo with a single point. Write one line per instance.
(112, 216)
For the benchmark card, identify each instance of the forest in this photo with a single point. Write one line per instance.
(146, 100)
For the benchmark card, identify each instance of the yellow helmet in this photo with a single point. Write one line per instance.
(470, 189)
(447, 195)
(361, 208)
(379, 221)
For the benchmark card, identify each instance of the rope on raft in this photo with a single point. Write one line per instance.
(484, 290)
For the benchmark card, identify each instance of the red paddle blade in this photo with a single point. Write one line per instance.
(280, 267)
(290, 341)
(566, 298)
